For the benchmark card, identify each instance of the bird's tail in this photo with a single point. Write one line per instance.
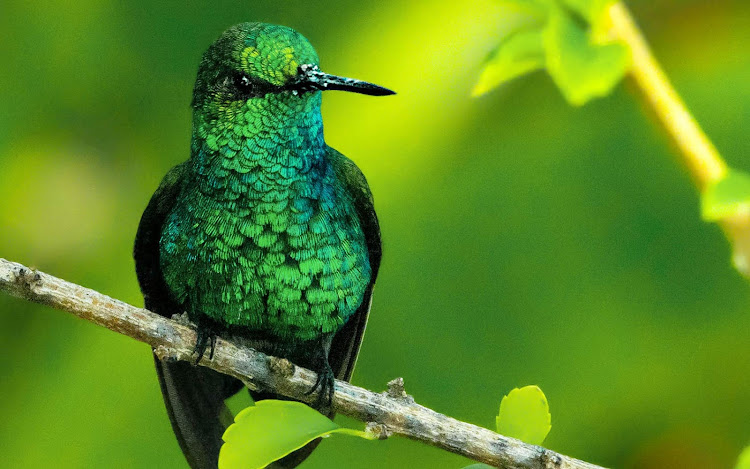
(194, 397)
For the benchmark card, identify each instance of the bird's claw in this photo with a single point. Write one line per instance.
(325, 384)
(205, 339)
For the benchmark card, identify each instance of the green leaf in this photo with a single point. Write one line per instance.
(524, 414)
(592, 10)
(726, 197)
(581, 69)
(536, 8)
(479, 465)
(519, 54)
(270, 430)
(743, 462)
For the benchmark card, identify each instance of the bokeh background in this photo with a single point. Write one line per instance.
(526, 242)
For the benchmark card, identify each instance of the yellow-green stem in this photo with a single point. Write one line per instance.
(699, 154)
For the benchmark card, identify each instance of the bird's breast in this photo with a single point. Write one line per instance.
(263, 252)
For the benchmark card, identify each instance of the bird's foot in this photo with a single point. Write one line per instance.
(206, 338)
(325, 384)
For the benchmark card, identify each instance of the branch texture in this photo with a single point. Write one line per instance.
(391, 412)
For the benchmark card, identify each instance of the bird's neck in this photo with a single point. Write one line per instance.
(275, 148)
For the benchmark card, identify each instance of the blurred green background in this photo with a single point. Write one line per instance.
(526, 242)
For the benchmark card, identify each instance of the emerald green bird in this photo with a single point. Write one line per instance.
(266, 234)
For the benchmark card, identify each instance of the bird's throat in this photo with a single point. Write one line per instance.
(252, 151)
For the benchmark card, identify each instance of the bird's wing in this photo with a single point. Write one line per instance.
(194, 396)
(346, 342)
(146, 250)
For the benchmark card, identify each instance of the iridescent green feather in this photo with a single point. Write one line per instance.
(265, 234)
(264, 230)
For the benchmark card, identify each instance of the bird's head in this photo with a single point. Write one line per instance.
(266, 69)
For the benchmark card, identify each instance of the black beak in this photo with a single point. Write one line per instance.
(309, 78)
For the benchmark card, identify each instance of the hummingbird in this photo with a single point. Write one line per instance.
(264, 235)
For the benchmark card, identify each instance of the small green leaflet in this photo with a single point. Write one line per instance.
(535, 8)
(743, 462)
(524, 414)
(728, 196)
(581, 69)
(518, 55)
(270, 430)
(568, 38)
(592, 10)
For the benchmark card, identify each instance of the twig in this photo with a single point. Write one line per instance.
(392, 412)
(700, 156)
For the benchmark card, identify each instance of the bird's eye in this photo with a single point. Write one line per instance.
(243, 83)
(247, 86)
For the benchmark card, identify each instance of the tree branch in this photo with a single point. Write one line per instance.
(392, 412)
